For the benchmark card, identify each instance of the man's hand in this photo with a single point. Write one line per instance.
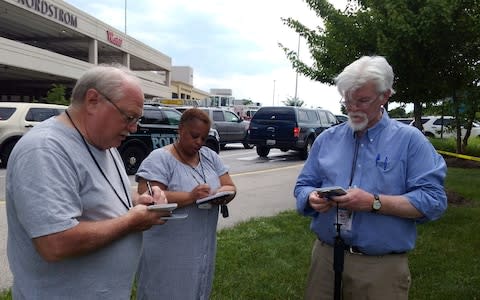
(355, 200)
(140, 218)
(319, 203)
(158, 197)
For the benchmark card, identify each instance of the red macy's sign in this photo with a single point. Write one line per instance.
(114, 39)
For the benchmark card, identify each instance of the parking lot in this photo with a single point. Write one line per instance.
(265, 188)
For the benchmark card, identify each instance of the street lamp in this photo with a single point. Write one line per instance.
(273, 104)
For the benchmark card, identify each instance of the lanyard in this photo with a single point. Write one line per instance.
(128, 204)
(202, 175)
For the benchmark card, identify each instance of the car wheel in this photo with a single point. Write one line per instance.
(212, 145)
(132, 156)
(7, 150)
(263, 151)
(306, 151)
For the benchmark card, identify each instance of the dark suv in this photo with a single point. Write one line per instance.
(288, 128)
(157, 128)
(231, 128)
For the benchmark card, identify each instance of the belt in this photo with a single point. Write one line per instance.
(356, 251)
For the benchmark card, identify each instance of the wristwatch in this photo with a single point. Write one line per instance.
(377, 204)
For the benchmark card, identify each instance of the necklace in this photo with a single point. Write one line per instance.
(184, 161)
(127, 205)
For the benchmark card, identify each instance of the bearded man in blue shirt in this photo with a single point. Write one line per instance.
(393, 177)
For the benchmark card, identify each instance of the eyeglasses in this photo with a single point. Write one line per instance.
(360, 103)
(128, 119)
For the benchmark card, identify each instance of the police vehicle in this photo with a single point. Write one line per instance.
(157, 127)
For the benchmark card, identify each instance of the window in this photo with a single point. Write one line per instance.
(153, 116)
(323, 118)
(231, 117)
(37, 114)
(302, 116)
(6, 112)
(312, 116)
(218, 115)
(173, 117)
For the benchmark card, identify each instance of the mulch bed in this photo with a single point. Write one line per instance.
(453, 197)
(461, 163)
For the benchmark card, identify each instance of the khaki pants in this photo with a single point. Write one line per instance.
(364, 277)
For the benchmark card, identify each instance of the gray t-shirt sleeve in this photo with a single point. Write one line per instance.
(157, 166)
(46, 200)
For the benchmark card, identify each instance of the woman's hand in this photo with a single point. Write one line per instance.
(200, 191)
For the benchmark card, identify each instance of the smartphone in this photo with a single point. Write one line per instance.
(331, 191)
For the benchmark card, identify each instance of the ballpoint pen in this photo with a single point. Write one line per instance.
(149, 188)
(150, 191)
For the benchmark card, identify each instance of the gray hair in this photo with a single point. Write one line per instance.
(106, 79)
(365, 69)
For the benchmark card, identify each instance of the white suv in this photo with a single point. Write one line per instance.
(16, 118)
(432, 127)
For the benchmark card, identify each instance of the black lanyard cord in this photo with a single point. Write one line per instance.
(127, 205)
(354, 163)
(184, 161)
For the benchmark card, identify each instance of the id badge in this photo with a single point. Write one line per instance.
(345, 218)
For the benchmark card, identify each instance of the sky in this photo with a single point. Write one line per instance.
(229, 44)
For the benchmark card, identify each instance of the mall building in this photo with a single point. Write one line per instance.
(45, 42)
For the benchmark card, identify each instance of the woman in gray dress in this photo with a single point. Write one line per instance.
(178, 258)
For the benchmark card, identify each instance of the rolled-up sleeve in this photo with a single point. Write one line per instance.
(425, 188)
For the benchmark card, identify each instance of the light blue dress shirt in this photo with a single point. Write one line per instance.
(392, 159)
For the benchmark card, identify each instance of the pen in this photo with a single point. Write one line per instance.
(385, 163)
(149, 188)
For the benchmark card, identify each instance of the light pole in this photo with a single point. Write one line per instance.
(296, 77)
(273, 103)
(125, 17)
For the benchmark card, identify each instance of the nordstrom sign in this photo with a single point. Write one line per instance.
(50, 10)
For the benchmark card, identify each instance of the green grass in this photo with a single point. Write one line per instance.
(268, 258)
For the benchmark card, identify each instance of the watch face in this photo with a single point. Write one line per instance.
(377, 205)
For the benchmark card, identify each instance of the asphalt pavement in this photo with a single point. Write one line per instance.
(260, 193)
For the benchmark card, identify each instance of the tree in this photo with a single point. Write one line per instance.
(293, 101)
(432, 44)
(398, 112)
(56, 95)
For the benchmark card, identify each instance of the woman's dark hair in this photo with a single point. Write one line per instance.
(195, 114)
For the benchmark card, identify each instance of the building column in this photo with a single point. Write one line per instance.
(93, 52)
(126, 59)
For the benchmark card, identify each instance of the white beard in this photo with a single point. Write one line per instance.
(358, 126)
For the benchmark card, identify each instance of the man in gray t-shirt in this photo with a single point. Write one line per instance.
(74, 231)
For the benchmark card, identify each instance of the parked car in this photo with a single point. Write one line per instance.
(288, 128)
(16, 118)
(341, 118)
(231, 128)
(157, 127)
(432, 127)
(404, 120)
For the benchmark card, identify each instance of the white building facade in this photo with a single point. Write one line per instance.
(52, 42)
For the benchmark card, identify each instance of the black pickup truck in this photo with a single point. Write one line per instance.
(157, 128)
(287, 128)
